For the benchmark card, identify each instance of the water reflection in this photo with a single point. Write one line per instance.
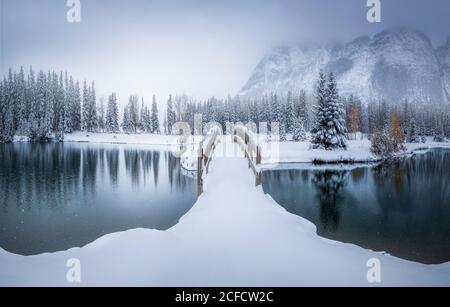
(401, 206)
(329, 186)
(112, 160)
(58, 196)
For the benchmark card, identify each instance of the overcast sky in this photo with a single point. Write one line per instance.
(198, 47)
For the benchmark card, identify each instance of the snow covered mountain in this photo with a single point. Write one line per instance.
(393, 65)
(444, 59)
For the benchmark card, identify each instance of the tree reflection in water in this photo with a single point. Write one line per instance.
(329, 186)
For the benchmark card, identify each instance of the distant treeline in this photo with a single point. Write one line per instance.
(49, 104)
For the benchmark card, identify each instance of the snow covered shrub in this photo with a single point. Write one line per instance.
(439, 138)
(439, 135)
(381, 144)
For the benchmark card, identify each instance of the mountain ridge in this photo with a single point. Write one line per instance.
(392, 65)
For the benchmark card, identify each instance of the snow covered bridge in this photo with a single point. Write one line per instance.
(242, 137)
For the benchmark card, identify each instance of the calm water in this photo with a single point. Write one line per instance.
(57, 196)
(401, 207)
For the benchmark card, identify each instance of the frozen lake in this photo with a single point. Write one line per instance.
(401, 207)
(57, 196)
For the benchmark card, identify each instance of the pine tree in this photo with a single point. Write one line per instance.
(276, 110)
(320, 124)
(6, 114)
(8, 130)
(290, 115)
(76, 116)
(21, 101)
(265, 112)
(68, 104)
(329, 131)
(302, 110)
(299, 133)
(101, 115)
(170, 115)
(126, 125)
(112, 115)
(58, 107)
(146, 118)
(282, 131)
(93, 109)
(412, 135)
(85, 117)
(133, 113)
(439, 134)
(154, 117)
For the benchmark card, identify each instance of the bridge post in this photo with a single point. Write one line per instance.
(200, 170)
(258, 155)
(258, 179)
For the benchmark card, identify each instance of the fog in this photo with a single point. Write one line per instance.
(201, 48)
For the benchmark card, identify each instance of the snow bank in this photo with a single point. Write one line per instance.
(357, 152)
(235, 235)
(122, 138)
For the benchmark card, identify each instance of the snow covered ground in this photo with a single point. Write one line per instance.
(123, 138)
(287, 152)
(357, 152)
(235, 235)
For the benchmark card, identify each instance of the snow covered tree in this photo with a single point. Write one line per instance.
(89, 108)
(412, 135)
(112, 115)
(76, 116)
(101, 115)
(319, 131)
(133, 113)
(126, 122)
(170, 115)
(298, 133)
(93, 109)
(6, 114)
(282, 131)
(290, 115)
(85, 117)
(302, 110)
(58, 117)
(7, 111)
(265, 116)
(146, 120)
(22, 103)
(154, 117)
(439, 134)
(330, 129)
(275, 108)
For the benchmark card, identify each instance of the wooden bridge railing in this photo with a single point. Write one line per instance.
(205, 153)
(245, 138)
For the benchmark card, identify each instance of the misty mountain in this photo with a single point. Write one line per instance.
(394, 65)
